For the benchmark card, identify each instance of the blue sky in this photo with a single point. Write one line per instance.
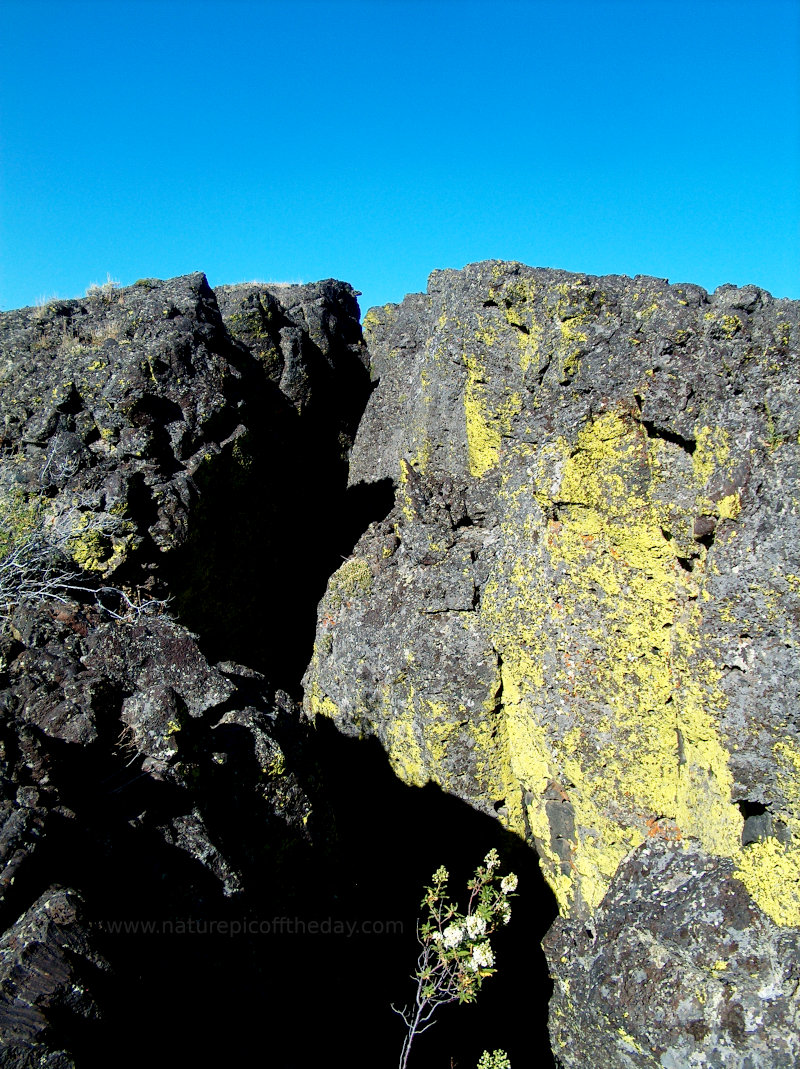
(376, 140)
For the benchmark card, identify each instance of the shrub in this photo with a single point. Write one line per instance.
(39, 563)
(33, 569)
(456, 955)
(103, 289)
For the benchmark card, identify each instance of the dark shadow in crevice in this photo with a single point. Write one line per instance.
(391, 839)
(364, 503)
(316, 969)
(259, 550)
(322, 939)
(273, 522)
(759, 822)
(273, 518)
(687, 444)
(319, 944)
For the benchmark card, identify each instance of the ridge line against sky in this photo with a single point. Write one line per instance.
(377, 140)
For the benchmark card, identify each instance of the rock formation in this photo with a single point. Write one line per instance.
(582, 615)
(145, 444)
(576, 611)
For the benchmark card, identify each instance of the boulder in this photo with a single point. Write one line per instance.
(581, 614)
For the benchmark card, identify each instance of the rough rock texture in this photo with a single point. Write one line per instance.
(126, 396)
(167, 442)
(128, 760)
(677, 968)
(47, 962)
(159, 452)
(582, 616)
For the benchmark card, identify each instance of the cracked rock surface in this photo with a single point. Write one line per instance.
(116, 406)
(677, 968)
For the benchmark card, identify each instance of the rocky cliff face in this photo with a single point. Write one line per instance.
(576, 611)
(582, 615)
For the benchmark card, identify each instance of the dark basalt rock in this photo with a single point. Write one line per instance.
(156, 452)
(113, 408)
(308, 340)
(129, 760)
(48, 967)
(119, 396)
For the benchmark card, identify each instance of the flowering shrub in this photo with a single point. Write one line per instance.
(498, 1059)
(456, 954)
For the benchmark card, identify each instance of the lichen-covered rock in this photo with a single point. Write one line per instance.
(113, 407)
(116, 399)
(716, 985)
(582, 612)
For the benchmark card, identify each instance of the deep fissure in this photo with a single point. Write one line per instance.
(301, 918)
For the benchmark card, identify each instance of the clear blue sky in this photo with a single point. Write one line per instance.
(376, 140)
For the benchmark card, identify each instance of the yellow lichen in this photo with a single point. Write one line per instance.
(597, 626)
(631, 1042)
(20, 515)
(485, 423)
(483, 437)
(610, 699)
(770, 869)
(377, 318)
(353, 579)
(712, 451)
(89, 549)
(402, 742)
(725, 324)
(518, 299)
(729, 507)
(321, 704)
(572, 339)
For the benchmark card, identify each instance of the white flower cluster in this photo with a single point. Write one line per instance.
(498, 1059)
(475, 925)
(482, 957)
(453, 935)
(491, 861)
(508, 883)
